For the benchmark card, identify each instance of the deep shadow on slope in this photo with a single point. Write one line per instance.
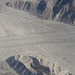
(41, 6)
(66, 11)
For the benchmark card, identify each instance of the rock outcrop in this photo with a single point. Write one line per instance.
(29, 65)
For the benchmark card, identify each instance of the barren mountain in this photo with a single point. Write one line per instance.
(59, 10)
(37, 37)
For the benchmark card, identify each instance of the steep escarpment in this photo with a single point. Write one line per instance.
(59, 10)
(64, 10)
(30, 65)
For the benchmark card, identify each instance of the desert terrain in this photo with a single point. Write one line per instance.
(37, 37)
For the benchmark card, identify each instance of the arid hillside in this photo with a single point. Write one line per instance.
(59, 10)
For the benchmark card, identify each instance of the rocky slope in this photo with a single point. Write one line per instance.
(59, 10)
(29, 65)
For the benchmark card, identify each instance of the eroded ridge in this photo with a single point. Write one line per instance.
(59, 10)
(29, 65)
